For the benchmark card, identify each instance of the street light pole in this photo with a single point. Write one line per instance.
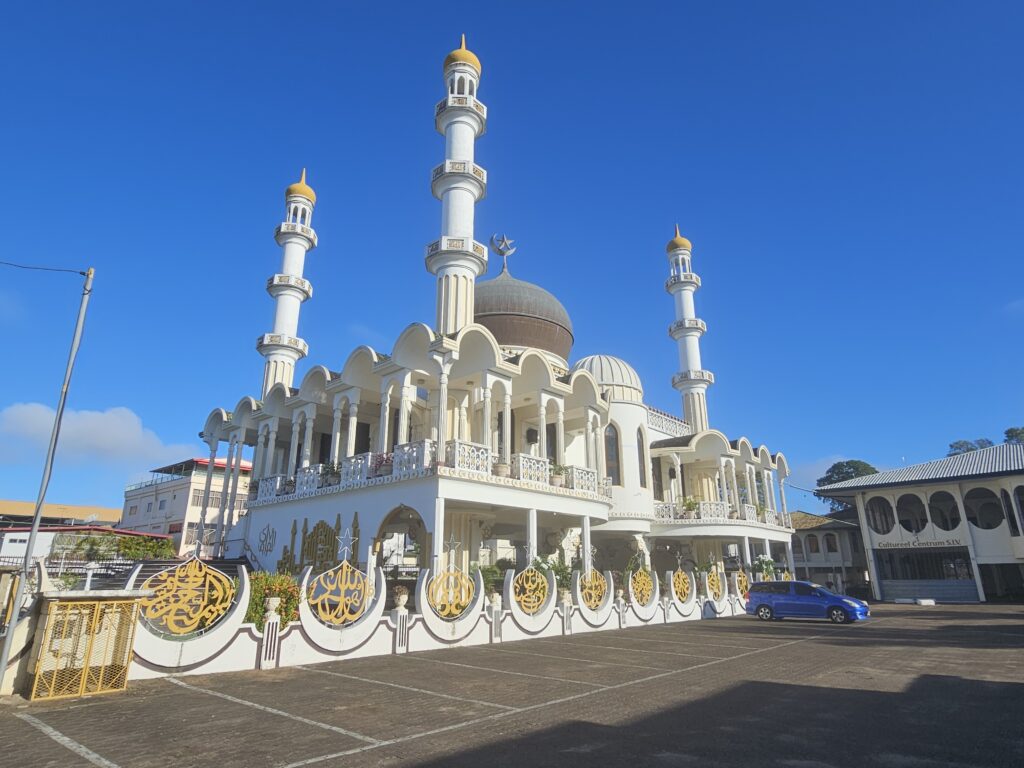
(19, 592)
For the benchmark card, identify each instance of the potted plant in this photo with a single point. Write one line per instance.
(562, 574)
(401, 595)
(501, 468)
(383, 464)
(558, 475)
(765, 565)
(331, 474)
(690, 505)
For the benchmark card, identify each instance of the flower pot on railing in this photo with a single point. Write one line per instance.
(385, 469)
(501, 469)
(558, 480)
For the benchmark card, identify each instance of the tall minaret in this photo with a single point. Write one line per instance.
(692, 380)
(457, 259)
(281, 347)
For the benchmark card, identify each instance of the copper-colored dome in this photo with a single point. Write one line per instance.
(521, 314)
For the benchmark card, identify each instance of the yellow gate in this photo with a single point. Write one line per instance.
(86, 648)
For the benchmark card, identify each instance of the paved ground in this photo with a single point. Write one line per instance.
(912, 688)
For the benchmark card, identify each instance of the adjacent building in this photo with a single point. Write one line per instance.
(170, 502)
(948, 529)
(829, 550)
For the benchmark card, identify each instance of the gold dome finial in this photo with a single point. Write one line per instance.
(302, 189)
(463, 55)
(678, 242)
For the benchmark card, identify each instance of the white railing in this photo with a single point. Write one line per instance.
(269, 487)
(750, 512)
(356, 468)
(413, 457)
(526, 467)
(581, 479)
(667, 423)
(770, 517)
(666, 510)
(713, 510)
(473, 457)
(307, 479)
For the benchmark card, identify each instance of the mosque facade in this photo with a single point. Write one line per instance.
(479, 440)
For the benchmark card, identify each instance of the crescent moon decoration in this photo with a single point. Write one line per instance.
(503, 247)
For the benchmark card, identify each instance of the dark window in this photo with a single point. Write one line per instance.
(657, 480)
(831, 543)
(803, 590)
(1011, 517)
(551, 438)
(641, 460)
(611, 454)
(780, 587)
(812, 544)
(362, 437)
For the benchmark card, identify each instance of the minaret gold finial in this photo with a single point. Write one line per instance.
(678, 242)
(302, 189)
(464, 56)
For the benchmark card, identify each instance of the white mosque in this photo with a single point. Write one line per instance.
(479, 438)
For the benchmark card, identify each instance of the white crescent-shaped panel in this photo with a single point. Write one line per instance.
(684, 609)
(538, 621)
(645, 612)
(456, 629)
(348, 636)
(598, 616)
(190, 651)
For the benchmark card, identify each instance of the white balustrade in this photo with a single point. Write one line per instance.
(413, 457)
(713, 510)
(356, 468)
(468, 456)
(750, 513)
(533, 468)
(770, 518)
(581, 479)
(666, 510)
(269, 487)
(307, 479)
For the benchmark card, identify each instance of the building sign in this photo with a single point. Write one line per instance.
(917, 544)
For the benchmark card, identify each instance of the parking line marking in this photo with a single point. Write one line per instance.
(531, 707)
(506, 672)
(620, 648)
(405, 687)
(572, 658)
(272, 711)
(67, 742)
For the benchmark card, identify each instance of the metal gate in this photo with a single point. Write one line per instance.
(86, 648)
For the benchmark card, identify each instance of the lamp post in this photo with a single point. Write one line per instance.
(19, 592)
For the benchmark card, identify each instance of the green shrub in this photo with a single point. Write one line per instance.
(263, 584)
(144, 548)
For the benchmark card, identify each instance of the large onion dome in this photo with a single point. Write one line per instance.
(523, 315)
(614, 376)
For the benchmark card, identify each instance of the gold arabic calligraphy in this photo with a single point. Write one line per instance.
(186, 598)
(530, 590)
(340, 595)
(593, 587)
(450, 593)
(681, 585)
(643, 586)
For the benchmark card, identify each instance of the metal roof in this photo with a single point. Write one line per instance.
(506, 295)
(804, 521)
(1004, 459)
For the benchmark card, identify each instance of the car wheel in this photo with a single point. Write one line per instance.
(764, 613)
(837, 615)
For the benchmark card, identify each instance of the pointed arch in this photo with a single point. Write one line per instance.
(613, 453)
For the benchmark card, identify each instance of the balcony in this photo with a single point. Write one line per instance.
(690, 512)
(462, 460)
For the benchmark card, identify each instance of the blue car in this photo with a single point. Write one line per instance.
(802, 600)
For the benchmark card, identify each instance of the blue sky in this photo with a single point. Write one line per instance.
(851, 178)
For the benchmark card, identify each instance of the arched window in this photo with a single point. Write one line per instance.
(831, 543)
(983, 509)
(812, 544)
(657, 479)
(910, 512)
(880, 516)
(798, 546)
(943, 511)
(472, 88)
(640, 456)
(462, 85)
(611, 454)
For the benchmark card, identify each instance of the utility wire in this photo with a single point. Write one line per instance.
(42, 269)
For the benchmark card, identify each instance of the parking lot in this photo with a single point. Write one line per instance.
(911, 687)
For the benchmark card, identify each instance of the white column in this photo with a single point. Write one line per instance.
(206, 488)
(587, 564)
(746, 553)
(531, 535)
(307, 440)
(437, 541)
(766, 484)
(506, 432)
(236, 471)
(257, 455)
(487, 418)
(768, 548)
(869, 550)
(542, 438)
(782, 500)
(959, 493)
(385, 412)
(336, 436)
(602, 459)
(293, 446)
(560, 437)
(350, 441)
(462, 433)
(789, 557)
(590, 452)
(442, 415)
(270, 457)
(224, 488)
(404, 408)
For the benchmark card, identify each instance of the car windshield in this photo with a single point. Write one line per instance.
(826, 590)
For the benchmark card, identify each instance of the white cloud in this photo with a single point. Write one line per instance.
(114, 437)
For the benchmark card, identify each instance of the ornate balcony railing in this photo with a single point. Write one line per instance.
(533, 468)
(685, 278)
(269, 487)
(750, 513)
(355, 468)
(581, 479)
(715, 511)
(687, 324)
(667, 423)
(308, 479)
(473, 457)
(412, 457)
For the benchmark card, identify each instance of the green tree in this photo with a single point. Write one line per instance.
(844, 470)
(1014, 435)
(966, 446)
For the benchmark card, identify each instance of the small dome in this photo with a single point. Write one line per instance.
(521, 314)
(678, 242)
(302, 189)
(614, 374)
(465, 56)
